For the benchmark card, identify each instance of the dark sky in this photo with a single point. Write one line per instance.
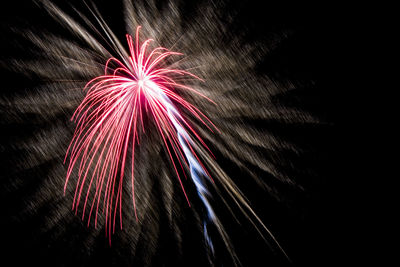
(310, 229)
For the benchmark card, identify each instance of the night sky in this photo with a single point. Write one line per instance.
(306, 222)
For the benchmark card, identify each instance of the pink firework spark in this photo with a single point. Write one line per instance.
(108, 120)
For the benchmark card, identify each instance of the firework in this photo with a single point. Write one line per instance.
(108, 120)
(141, 156)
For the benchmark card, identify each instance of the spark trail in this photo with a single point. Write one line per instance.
(197, 171)
(108, 123)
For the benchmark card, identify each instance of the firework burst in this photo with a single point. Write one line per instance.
(143, 124)
(107, 126)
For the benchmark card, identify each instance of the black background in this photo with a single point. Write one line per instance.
(313, 230)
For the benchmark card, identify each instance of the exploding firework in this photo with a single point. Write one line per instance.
(146, 124)
(108, 121)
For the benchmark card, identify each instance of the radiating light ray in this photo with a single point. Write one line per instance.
(108, 120)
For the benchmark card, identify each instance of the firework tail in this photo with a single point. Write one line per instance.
(196, 170)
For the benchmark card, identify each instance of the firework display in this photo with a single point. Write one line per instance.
(108, 120)
(167, 129)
